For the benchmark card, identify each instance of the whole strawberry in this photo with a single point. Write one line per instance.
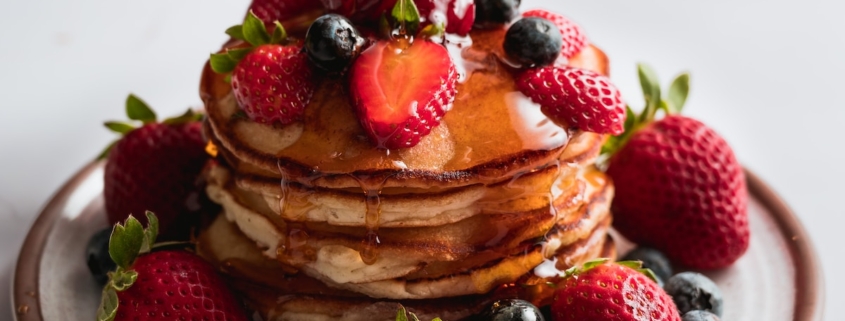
(272, 82)
(611, 291)
(161, 285)
(270, 11)
(577, 97)
(155, 167)
(574, 39)
(679, 187)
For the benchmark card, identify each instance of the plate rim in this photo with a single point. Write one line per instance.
(809, 303)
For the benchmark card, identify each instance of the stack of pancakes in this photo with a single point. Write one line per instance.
(320, 224)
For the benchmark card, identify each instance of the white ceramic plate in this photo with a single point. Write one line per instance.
(778, 279)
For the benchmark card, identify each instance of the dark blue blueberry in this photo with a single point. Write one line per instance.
(698, 315)
(494, 13)
(694, 291)
(511, 310)
(652, 259)
(97, 256)
(332, 42)
(533, 41)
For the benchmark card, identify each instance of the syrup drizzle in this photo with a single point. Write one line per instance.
(372, 187)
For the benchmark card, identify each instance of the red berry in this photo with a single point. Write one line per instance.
(273, 84)
(574, 39)
(458, 15)
(680, 189)
(155, 168)
(577, 97)
(612, 292)
(272, 10)
(400, 93)
(177, 285)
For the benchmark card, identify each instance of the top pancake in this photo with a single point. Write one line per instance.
(491, 132)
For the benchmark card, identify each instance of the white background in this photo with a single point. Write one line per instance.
(766, 74)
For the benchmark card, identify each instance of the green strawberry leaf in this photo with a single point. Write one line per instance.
(108, 305)
(137, 109)
(593, 263)
(238, 54)
(222, 63)
(236, 32)
(126, 241)
(401, 314)
(105, 153)
(678, 92)
(119, 127)
(187, 117)
(651, 91)
(279, 34)
(414, 317)
(433, 30)
(122, 280)
(650, 274)
(636, 265)
(254, 30)
(150, 233)
(405, 13)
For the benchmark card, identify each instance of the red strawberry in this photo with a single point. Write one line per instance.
(574, 39)
(155, 167)
(272, 83)
(577, 97)
(458, 15)
(679, 187)
(281, 10)
(611, 291)
(162, 285)
(401, 91)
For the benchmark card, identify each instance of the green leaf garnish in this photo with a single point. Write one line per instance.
(222, 63)
(405, 13)
(254, 30)
(125, 242)
(108, 305)
(236, 32)
(678, 92)
(119, 127)
(137, 109)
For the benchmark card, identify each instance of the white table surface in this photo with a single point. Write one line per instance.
(767, 75)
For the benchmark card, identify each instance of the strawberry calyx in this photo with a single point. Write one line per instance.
(128, 241)
(404, 22)
(589, 265)
(253, 32)
(403, 315)
(672, 102)
(139, 111)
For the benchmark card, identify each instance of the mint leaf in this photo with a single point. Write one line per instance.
(125, 242)
(254, 30)
(222, 63)
(108, 305)
(407, 16)
(279, 34)
(678, 92)
(119, 127)
(236, 32)
(137, 109)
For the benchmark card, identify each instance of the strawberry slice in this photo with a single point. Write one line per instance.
(401, 91)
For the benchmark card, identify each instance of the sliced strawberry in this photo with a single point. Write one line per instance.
(401, 91)
(574, 39)
(577, 97)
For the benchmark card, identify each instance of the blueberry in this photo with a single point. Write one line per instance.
(494, 13)
(511, 310)
(652, 259)
(97, 256)
(533, 42)
(698, 315)
(332, 42)
(694, 291)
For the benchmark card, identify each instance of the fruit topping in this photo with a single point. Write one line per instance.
(611, 291)
(577, 97)
(164, 284)
(511, 310)
(155, 167)
(403, 315)
(457, 15)
(694, 291)
(270, 11)
(679, 187)
(332, 42)
(495, 13)
(653, 260)
(97, 256)
(573, 38)
(533, 42)
(400, 91)
(698, 315)
(272, 82)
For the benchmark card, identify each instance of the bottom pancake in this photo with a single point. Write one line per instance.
(279, 292)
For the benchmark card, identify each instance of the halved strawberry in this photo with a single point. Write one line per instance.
(400, 90)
